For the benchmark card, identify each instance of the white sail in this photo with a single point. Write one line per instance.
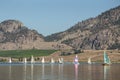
(32, 59)
(60, 60)
(52, 60)
(25, 60)
(43, 60)
(76, 60)
(10, 61)
(89, 60)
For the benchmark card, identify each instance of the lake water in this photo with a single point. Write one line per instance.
(59, 72)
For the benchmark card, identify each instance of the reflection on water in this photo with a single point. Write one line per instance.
(9, 72)
(52, 71)
(32, 69)
(59, 72)
(89, 72)
(106, 72)
(76, 71)
(43, 72)
(24, 72)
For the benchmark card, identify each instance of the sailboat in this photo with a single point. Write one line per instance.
(60, 60)
(89, 60)
(32, 59)
(106, 59)
(43, 60)
(76, 60)
(25, 60)
(52, 60)
(10, 61)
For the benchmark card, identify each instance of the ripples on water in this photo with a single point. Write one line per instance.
(59, 72)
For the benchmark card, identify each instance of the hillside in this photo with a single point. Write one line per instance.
(101, 32)
(14, 35)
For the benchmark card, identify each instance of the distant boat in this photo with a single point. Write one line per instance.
(43, 60)
(89, 60)
(10, 60)
(106, 59)
(25, 60)
(60, 60)
(76, 60)
(52, 60)
(32, 59)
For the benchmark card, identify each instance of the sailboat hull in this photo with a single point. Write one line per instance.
(105, 64)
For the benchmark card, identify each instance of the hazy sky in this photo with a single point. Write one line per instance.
(50, 16)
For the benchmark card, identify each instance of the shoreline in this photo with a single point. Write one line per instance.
(97, 56)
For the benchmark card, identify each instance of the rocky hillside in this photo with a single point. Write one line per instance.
(14, 35)
(101, 32)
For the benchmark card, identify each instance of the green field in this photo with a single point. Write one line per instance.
(25, 53)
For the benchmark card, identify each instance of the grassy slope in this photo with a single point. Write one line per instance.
(25, 53)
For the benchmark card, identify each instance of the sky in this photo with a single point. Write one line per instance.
(51, 16)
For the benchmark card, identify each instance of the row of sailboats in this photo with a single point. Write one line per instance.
(25, 60)
(76, 61)
(106, 59)
(60, 60)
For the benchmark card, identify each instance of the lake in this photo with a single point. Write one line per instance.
(59, 72)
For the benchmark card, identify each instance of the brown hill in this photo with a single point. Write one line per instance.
(14, 35)
(101, 32)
